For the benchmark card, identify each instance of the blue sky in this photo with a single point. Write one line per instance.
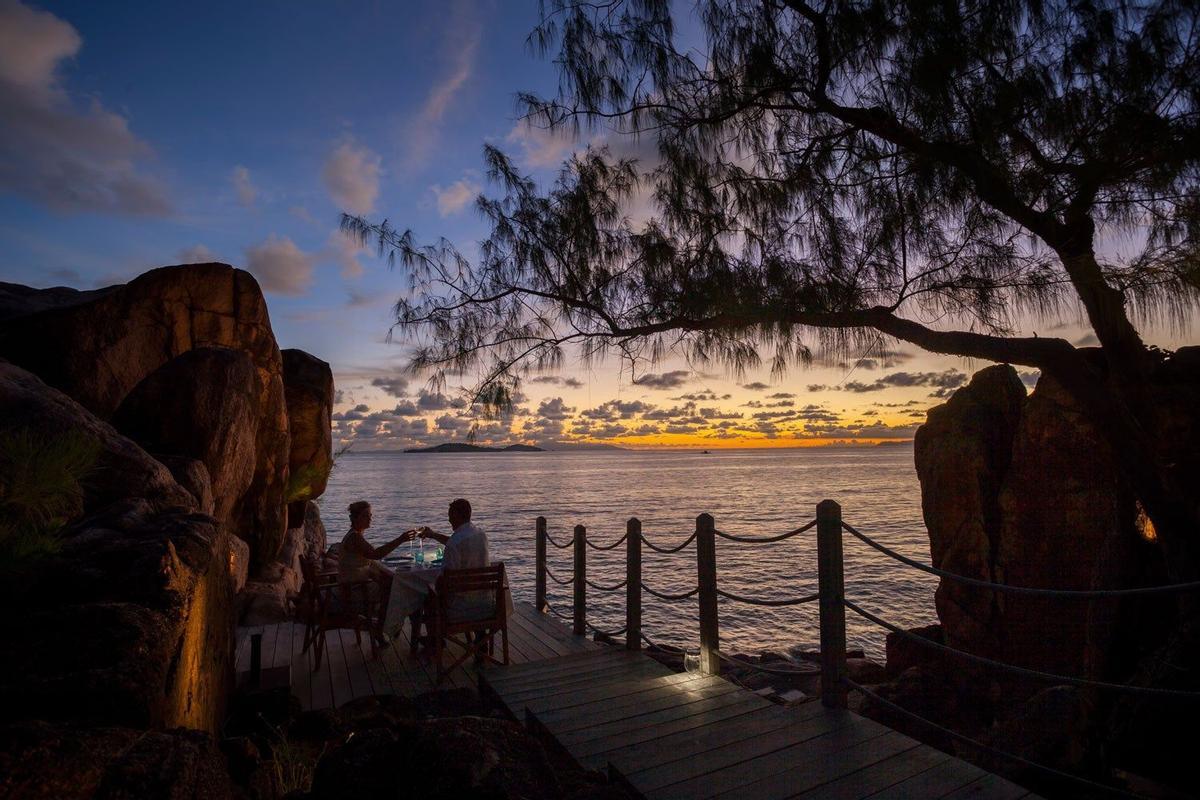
(139, 135)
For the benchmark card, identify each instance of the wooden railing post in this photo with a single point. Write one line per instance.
(580, 615)
(540, 572)
(633, 584)
(706, 575)
(833, 611)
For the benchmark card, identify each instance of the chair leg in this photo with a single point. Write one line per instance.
(504, 641)
(319, 644)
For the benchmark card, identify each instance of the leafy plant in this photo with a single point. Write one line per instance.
(301, 481)
(41, 489)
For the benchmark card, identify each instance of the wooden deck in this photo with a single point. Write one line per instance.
(348, 670)
(665, 735)
(671, 736)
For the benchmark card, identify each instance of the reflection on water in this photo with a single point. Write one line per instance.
(749, 492)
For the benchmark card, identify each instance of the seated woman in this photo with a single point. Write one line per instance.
(360, 560)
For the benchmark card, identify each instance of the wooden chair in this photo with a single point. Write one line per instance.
(325, 605)
(480, 586)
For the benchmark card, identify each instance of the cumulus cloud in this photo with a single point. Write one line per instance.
(455, 197)
(196, 254)
(351, 174)
(942, 381)
(570, 383)
(280, 266)
(344, 251)
(541, 148)
(396, 387)
(245, 189)
(667, 380)
(54, 149)
(756, 386)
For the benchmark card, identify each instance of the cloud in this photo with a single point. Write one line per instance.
(351, 174)
(436, 401)
(756, 386)
(246, 191)
(280, 266)
(541, 148)
(667, 380)
(463, 33)
(455, 197)
(947, 380)
(343, 251)
(68, 155)
(396, 387)
(570, 383)
(196, 254)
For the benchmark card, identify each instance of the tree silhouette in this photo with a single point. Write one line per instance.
(833, 175)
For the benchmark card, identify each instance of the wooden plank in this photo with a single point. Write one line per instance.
(322, 682)
(989, 787)
(356, 664)
(942, 779)
(530, 642)
(807, 755)
(336, 660)
(557, 642)
(625, 699)
(614, 682)
(698, 712)
(659, 764)
(672, 730)
(543, 673)
(242, 657)
(793, 770)
(301, 668)
(880, 775)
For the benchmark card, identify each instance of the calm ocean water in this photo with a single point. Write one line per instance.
(749, 492)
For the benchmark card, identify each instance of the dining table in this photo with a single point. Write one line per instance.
(412, 584)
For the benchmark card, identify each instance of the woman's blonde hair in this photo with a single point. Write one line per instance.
(358, 507)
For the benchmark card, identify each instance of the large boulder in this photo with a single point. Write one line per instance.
(122, 470)
(962, 453)
(203, 405)
(308, 388)
(130, 624)
(1025, 492)
(98, 348)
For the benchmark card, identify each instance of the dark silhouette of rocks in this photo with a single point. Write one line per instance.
(99, 348)
(308, 390)
(202, 405)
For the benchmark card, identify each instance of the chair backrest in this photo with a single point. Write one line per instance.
(473, 582)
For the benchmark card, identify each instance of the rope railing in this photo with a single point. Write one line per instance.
(793, 601)
(602, 588)
(1031, 673)
(798, 670)
(676, 549)
(1113, 790)
(556, 612)
(552, 541)
(671, 597)
(766, 539)
(1025, 590)
(612, 546)
(560, 581)
(609, 634)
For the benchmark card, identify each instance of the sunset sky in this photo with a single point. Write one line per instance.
(140, 135)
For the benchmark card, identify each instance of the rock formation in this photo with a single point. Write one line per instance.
(98, 346)
(1023, 491)
(308, 388)
(130, 622)
(201, 405)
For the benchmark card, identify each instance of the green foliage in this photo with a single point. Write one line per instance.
(41, 489)
(816, 177)
(300, 482)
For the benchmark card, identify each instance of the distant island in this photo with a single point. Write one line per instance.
(463, 447)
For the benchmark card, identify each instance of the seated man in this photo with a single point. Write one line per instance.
(466, 548)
